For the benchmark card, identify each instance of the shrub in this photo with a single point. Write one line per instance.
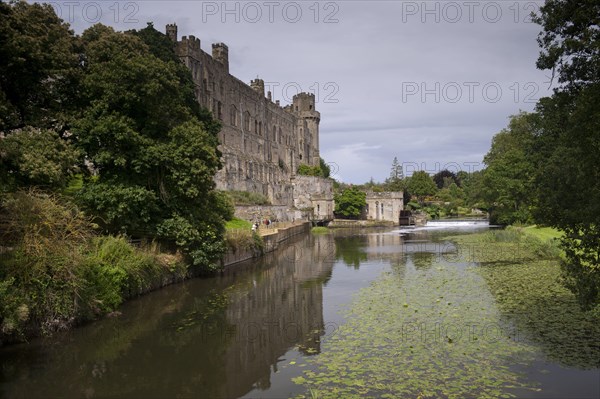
(41, 284)
(55, 272)
(244, 239)
(247, 198)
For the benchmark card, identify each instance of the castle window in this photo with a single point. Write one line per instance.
(233, 116)
(260, 128)
(219, 110)
(310, 106)
(247, 121)
(255, 126)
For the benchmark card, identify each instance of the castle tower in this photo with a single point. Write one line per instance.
(220, 53)
(172, 32)
(258, 85)
(303, 106)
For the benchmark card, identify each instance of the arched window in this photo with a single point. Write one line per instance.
(247, 121)
(233, 116)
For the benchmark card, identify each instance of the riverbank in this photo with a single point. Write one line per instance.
(56, 278)
(271, 239)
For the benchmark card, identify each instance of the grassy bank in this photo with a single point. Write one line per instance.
(56, 272)
(239, 236)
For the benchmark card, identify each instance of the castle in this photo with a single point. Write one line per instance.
(262, 142)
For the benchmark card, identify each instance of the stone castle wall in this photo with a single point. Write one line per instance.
(262, 142)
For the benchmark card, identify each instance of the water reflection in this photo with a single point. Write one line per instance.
(230, 336)
(213, 338)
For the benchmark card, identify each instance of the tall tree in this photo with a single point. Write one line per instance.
(507, 180)
(396, 180)
(567, 147)
(421, 185)
(444, 178)
(153, 158)
(397, 172)
(39, 67)
(351, 202)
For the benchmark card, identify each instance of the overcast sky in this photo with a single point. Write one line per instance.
(428, 82)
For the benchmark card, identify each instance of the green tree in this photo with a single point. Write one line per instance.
(507, 180)
(396, 180)
(421, 185)
(472, 184)
(350, 203)
(36, 157)
(566, 148)
(444, 178)
(153, 152)
(39, 67)
(325, 169)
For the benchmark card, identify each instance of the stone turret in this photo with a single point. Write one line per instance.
(220, 53)
(258, 85)
(303, 106)
(172, 32)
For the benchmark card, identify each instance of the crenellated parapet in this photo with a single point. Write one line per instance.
(220, 53)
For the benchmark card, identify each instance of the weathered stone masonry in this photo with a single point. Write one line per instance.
(262, 142)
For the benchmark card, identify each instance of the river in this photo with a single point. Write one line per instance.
(249, 331)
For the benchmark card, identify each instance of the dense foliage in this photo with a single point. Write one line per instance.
(508, 178)
(111, 120)
(544, 167)
(350, 203)
(59, 272)
(421, 185)
(320, 170)
(567, 146)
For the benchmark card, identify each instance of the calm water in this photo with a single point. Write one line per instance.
(242, 334)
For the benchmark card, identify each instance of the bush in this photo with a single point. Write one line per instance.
(244, 239)
(321, 170)
(41, 283)
(55, 272)
(247, 198)
(113, 271)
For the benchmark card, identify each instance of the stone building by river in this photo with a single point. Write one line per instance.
(262, 142)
